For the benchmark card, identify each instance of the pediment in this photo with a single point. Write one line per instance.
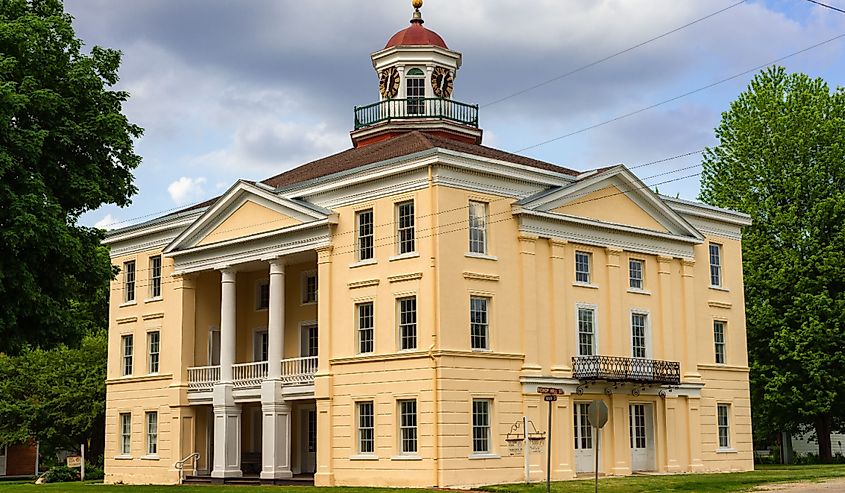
(244, 211)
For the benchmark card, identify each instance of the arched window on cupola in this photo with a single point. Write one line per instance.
(415, 91)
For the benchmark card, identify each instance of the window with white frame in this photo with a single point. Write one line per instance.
(479, 322)
(583, 430)
(127, 345)
(309, 287)
(261, 345)
(125, 433)
(719, 341)
(364, 225)
(715, 264)
(366, 428)
(155, 276)
(408, 426)
(586, 331)
(415, 91)
(405, 235)
(310, 340)
(262, 295)
(477, 227)
(153, 347)
(152, 433)
(129, 281)
(365, 327)
(635, 273)
(480, 426)
(723, 418)
(582, 267)
(407, 308)
(638, 335)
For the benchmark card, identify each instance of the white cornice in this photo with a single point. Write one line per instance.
(698, 209)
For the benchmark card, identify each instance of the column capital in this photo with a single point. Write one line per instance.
(228, 274)
(324, 254)
(277, 266)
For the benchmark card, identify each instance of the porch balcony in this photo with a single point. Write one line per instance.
(416, 108)
(619, 369)
(295, 372)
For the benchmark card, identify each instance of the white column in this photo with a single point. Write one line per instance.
(227, 324)
(276, 320)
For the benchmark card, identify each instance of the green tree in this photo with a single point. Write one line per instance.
(781, 159)
(65, 148)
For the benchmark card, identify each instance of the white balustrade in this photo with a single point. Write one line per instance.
(299, 371)
(295, 371)
(247, 375)
(203, 378)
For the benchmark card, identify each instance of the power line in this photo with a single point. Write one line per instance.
(614, 55)
(680, 96)
(831, 7)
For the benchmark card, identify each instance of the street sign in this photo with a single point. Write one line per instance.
(549, 390)
(597, 413)
(550, 397)
(74, 461)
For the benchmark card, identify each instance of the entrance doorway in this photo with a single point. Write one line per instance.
(585, 458)
(308, 441)
(2, 460)
(642, 437)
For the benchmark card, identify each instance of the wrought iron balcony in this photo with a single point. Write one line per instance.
(629, 370)
(415, 108)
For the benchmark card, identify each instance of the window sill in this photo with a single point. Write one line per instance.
(720, 288)
(262, 309)
(482, 256)
(151, 457)
(639, 291)
(361, 263)
(363, 457)
(123, 457)
(406, 457)
(153, 299)
(726, 451)
(584, 285)
(484, 456)
(127, 303)
(310, 303)
(403, 256)
(481, 350)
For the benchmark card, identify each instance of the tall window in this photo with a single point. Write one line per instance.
(638, 341)
(722, 411)
(364, 221)
(407, 322)
(312, 431)
(366, 428)
(408, 426)
(715, 264)
(635, 274)
(125, 433)
(262, 296)
(365, 327)
(152, 433)
(479, 325)
(153, 344)
(719, 340)
(583, 432)
(261, 346)
(126, 343)
(129, 281)
(480, 426)
(582, 267)
(586, 331)
(310, 340)
(155, 276)
(477, 227)
(405, 229)
(637, 426)
(415, 91)
(309, 287)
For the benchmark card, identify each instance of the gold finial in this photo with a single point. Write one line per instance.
(417, 17)
(417, 3)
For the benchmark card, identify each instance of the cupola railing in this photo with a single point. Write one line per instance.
(629, 370)
(415, 108)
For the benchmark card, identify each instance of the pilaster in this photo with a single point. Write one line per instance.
(667, 299)
(690, 332)
(227, 433)
(530, 337)
(184, 289)
(324, 475)
(621, 445)
(694, 410)
(614, 337)
(276, 432)
(561, 344)
(670, 404)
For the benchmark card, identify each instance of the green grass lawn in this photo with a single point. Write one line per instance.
(699, 483)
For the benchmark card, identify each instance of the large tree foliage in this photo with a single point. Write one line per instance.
(65, 148)
(781, 159)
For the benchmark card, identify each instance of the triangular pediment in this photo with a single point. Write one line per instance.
(244, 211)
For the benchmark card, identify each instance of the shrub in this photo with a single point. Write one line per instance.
(61, 474)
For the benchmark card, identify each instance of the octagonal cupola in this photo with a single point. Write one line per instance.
(416, 72)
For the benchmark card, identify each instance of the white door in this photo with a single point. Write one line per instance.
(642, 437)
(2, 460)
(308, 427)
(585, 459)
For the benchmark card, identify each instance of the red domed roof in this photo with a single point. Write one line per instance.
(416, 35)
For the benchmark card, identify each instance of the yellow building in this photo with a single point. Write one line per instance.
(385, 315)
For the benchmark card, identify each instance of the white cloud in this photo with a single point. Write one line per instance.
(107, 222)
(185, 190)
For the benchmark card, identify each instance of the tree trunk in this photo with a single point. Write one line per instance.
(823, 424)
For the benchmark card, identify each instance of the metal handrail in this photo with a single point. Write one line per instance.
(623, 369)
(415, 108)
(180, 465)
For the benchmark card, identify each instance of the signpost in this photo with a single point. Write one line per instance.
(549, 395)
(597, 415)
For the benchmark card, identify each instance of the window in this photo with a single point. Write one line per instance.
(715, 264)
(480, 426)
(478, 227)
(364, 222)
(586, 331)
(126, 343)
(155, 276)
(479, 322)
(261, 346)
(365, 327)
(408, 427)
(312, 431)
(719, 340)
(309, 341)
(583, 432)
(637, 426)
(309, 287)
(635, 274)
(415, 91)
(153, 345)
(405, 230)
(262, 296)
(129, 281)
(152, 433)
(366, 428)
(638, 341)
(407, 323)
(125, 433)
(582, 267)
(724, 425)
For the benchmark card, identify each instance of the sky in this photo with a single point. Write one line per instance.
(245, 90)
